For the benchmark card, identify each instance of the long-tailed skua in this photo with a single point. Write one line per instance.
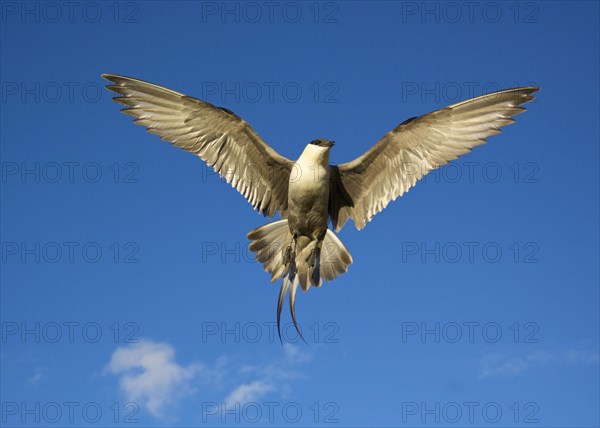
(309, 193)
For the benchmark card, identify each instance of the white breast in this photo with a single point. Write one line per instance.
(310, 170)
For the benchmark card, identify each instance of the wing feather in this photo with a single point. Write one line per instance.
(362, 188)
(222, 139)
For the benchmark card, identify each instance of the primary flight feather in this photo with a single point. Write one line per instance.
(309, 192)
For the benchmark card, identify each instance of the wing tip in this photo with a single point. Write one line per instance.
(525, 94)
(112, 77)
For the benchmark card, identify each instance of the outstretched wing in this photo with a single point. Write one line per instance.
(225, 141)
(362, 188)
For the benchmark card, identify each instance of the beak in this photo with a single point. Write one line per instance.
(331, 143)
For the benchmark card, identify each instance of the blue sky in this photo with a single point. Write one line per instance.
(129, 296)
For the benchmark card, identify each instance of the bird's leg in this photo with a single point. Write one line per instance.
(314, 262)
(314, 255)
(287, 255)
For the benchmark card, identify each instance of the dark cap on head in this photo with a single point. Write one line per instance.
(322, 142)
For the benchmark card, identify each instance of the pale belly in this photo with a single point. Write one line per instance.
(308, 201)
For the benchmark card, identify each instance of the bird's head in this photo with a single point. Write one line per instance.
(322, 142)
(317, 151)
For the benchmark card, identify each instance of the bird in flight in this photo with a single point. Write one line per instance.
(309, 192)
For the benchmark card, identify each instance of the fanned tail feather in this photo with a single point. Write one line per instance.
(300, 263)
(270, 243)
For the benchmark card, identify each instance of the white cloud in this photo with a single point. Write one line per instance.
(248, 392)
(294, 354)
(39, 374)
(499, 364)
(151, 377)
(266, 378)
(582, 357)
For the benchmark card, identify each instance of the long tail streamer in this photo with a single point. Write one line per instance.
(289, 285)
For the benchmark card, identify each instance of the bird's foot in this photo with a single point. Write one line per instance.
(287, 255)
(313, 257)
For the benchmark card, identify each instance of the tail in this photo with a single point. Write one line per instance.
(290, 283)
(300, 262)
(270, 243)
